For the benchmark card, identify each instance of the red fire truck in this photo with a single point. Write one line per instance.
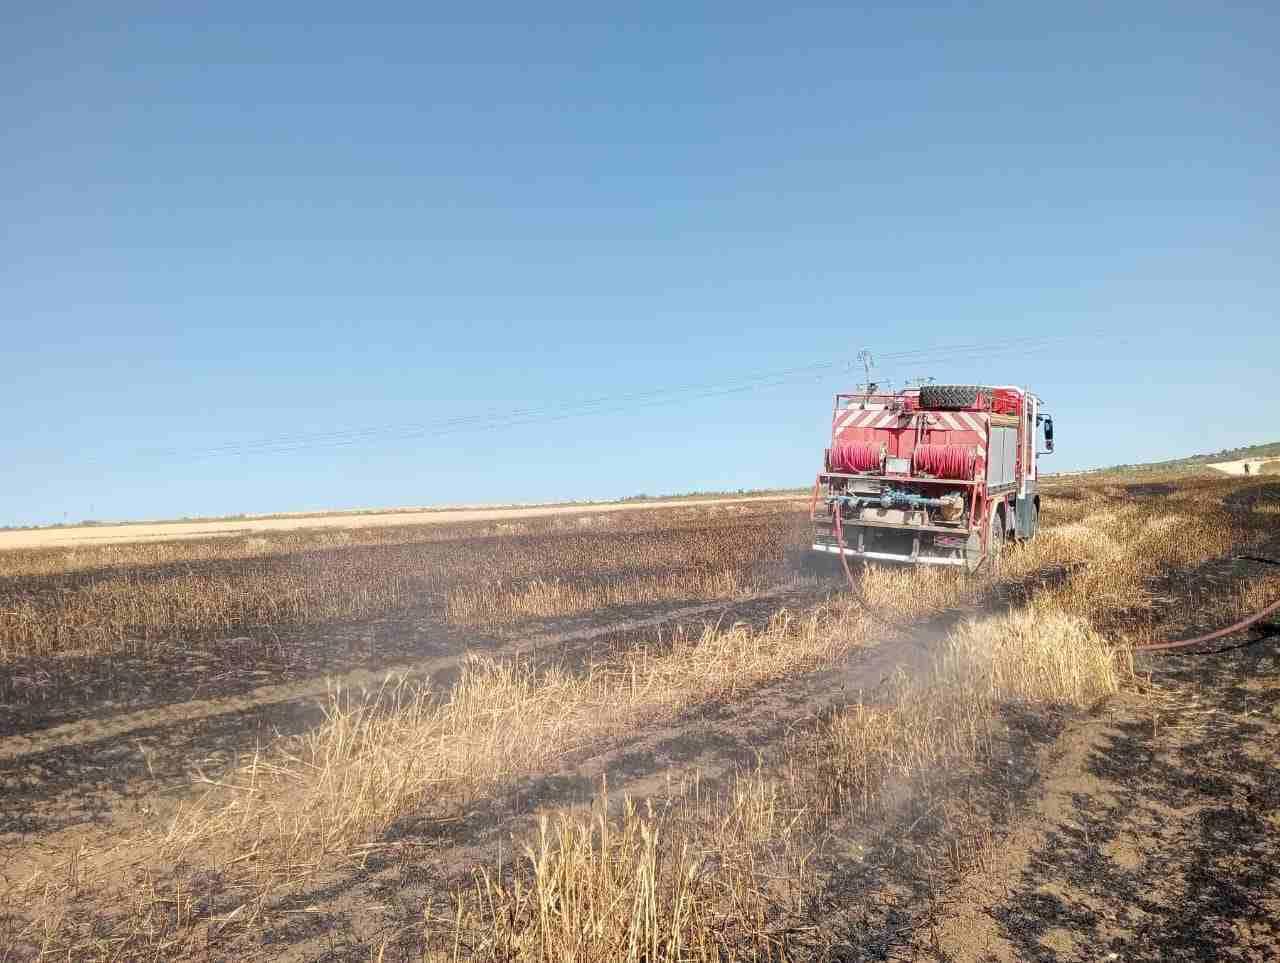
(938, 475)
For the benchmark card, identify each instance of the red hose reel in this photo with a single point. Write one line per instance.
(851, 456)
(944, 461)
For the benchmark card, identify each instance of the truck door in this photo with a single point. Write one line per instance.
(1025, 514)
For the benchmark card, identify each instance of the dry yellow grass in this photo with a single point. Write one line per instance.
(714, 879)
(639, 888)
(1111, 557)
(407, 750)
(493, 603)
(1243, 600)
(897, 593)
(1048, 652)
(1036, 654)
(644, 885)
(152, 598)
(90, 556)
(93, 535)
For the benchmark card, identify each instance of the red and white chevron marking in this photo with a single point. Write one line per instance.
(870, 418)
(961, 421)
(879, 418)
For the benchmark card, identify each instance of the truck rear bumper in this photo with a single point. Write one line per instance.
(888, 556)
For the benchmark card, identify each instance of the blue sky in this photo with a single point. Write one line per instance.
(290, 219)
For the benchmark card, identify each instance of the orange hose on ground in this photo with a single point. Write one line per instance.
(1209, 637)
(844, 561)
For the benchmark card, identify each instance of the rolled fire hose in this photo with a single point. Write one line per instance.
(944, 461)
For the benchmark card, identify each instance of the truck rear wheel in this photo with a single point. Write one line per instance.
(995, 534)
(973, 557)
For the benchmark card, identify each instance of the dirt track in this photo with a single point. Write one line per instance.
(80, 535)
(315, 689)
(1152, 834)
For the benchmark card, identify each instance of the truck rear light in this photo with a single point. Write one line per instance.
(950, 541)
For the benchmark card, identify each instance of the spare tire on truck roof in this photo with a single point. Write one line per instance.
(953, 396)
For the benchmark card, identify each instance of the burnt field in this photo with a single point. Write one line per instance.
(651, 735)
(139, 626)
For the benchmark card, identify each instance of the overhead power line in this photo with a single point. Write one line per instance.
(497, 418)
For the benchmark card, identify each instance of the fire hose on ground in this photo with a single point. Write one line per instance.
(1217, 633)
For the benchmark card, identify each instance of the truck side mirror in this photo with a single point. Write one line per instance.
(1047, 428)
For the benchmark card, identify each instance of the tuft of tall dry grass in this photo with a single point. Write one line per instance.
(900, 593)
(725, 877)
(1036, 655)
(1041, 653)
(639, 888)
